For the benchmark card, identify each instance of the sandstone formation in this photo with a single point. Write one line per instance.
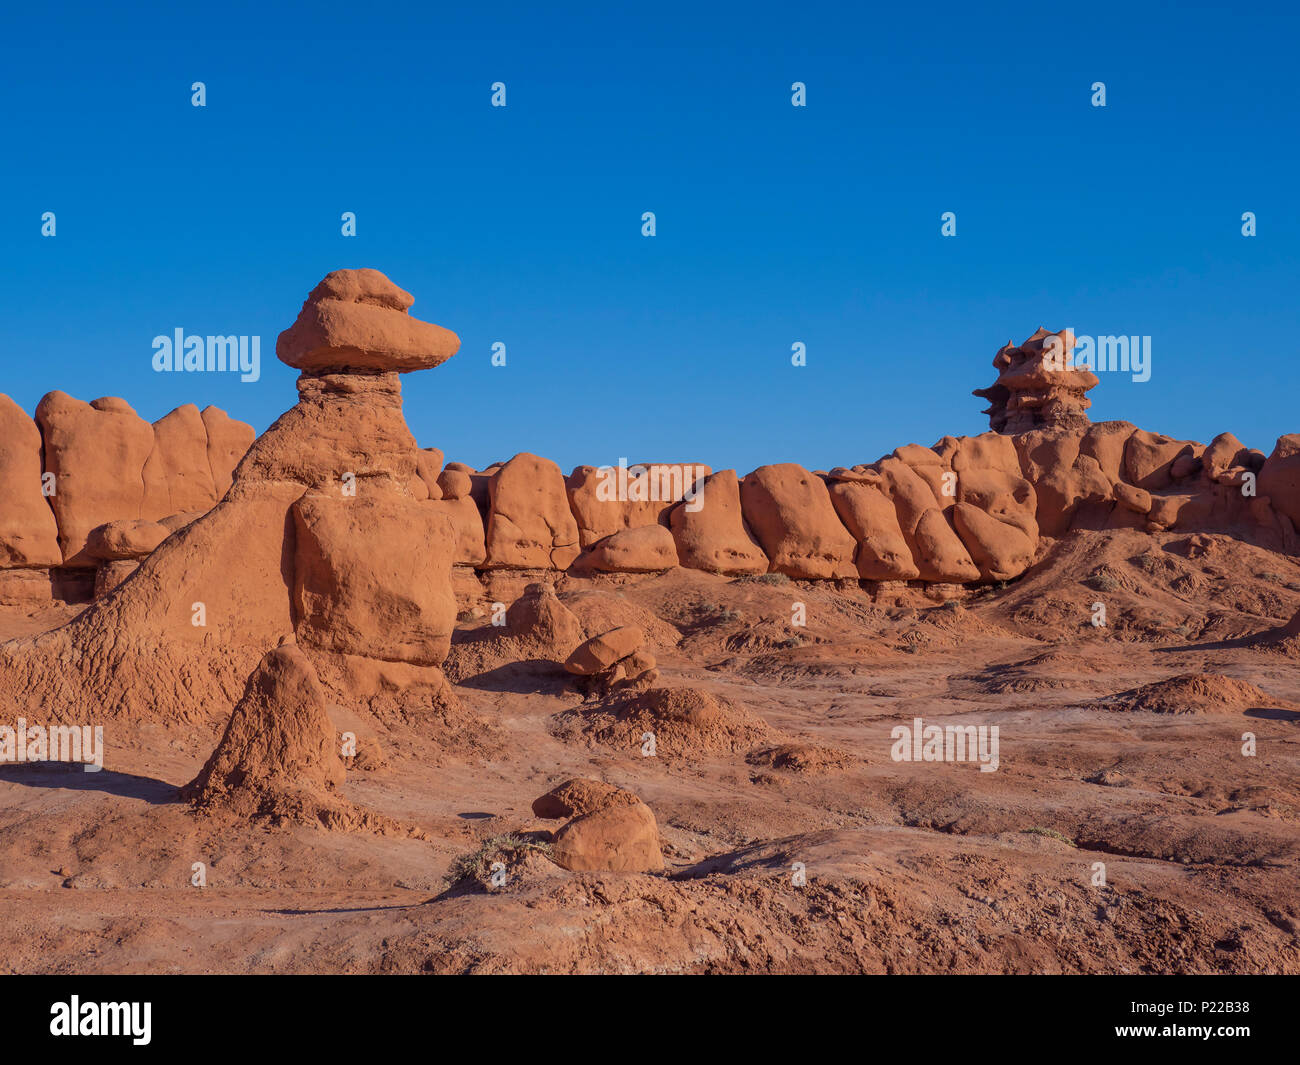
(29, 535)
(542, 625)
(93, 463)
(869, 515)
(357, 321)
(714, 536)
(96, 452)
(617, 659)
(1038, 385)
(609, 499)
(278, 756)
(529, 522)
(579, 796)
(119, 546)
(125, 539)
(456, 501)
(792, 516)
(968, 509)
(1279, 479)
(183, 632)
(178, 474)
(610, 829)
(232, 547)
(643, 549)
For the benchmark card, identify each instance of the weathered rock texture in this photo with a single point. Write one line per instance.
(1038, 385)
(29, 535)
(103, 463)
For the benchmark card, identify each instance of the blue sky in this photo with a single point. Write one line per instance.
(775, 224)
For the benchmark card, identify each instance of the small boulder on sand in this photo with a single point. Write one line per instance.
(579, 796)
(611, 830)
(614, 659)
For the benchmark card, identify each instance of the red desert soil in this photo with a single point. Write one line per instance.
(777, 758)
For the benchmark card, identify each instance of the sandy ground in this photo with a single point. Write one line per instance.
(909, 866)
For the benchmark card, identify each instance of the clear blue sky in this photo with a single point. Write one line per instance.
(775, 224)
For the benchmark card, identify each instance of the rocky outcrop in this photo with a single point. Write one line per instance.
(179, 636)
(89, 464)
(1279, 479)
(617, 659)
(336, 527)
(529, 522)
(96, 453)
(542, 626)
(712, 535)
(793, 518)
(29, 535)
(609, 499)
(643, 549)
(356, 321)
(1038, 385)
(869, 515)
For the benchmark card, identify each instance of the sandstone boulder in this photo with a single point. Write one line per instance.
(372, 577)
(579, 796)
(1224, 452)
(29, 535)
(1063, 476)
(869, 515)
(529, 522)
(712, 535)
(1149, 459)
(125, 539)
(542, 624)
(96, 452)
(1138, 500)
(603, 651)
(791, 514)
(618, 837)
(999, 549)
(647, 549)
(936, 549)
(357, 320)
(608, 499)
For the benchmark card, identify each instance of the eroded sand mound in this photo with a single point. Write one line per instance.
(685, 723)
(807, 758)
(278, 756)
(1192, 693)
